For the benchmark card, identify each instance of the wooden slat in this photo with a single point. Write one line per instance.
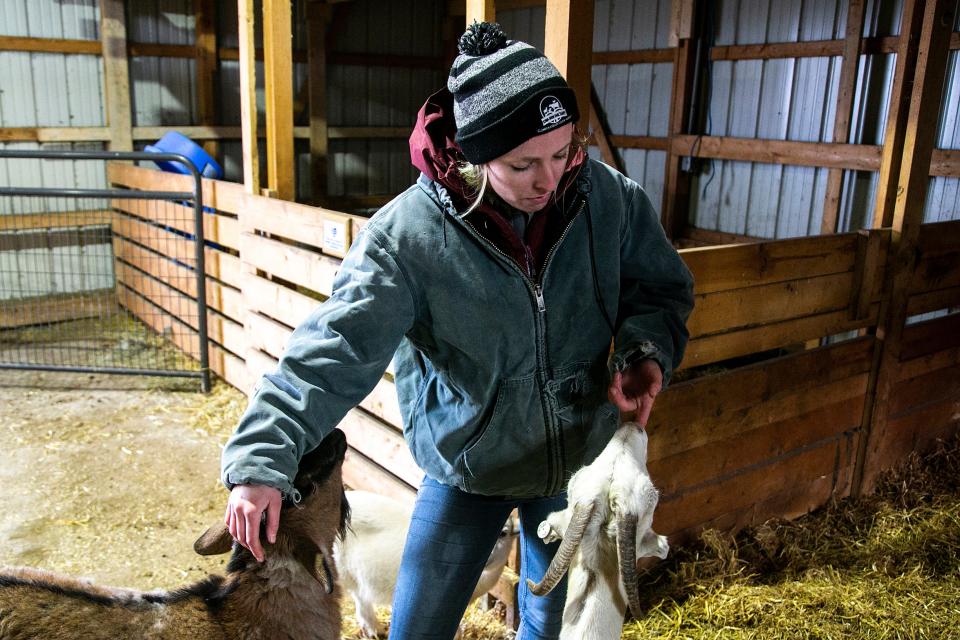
(746, 490)
(223, 298)
(925, 338)
(640, 142)
(223, 363)
(858, 157)
(22, 222)
(50, 45)
(227, 197)
(480, 11)
(156, 238)
(928, 388)
(718, 347)
(328, 231)
(634, 56)
(718, 460)
(937, 238)
(296, 265)
(220, 265)
(219, 229)
(272, 298)
(751, 307)
(733, 267)
(23, 312)
(810, 49)
(360, 473)
(945, 162)
(382, 444)
(47, 239)
(220, 329)
(54, 134)
(691, 414)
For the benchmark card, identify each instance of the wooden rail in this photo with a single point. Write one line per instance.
(764, 425)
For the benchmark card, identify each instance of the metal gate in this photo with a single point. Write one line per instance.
(69, 300)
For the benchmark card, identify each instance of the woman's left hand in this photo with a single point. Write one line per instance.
(634, 390)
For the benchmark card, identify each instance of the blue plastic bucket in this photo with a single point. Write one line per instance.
(174, 142)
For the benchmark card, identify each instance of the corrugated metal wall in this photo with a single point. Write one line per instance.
(792, 99)
(943, 198)
(50, 90)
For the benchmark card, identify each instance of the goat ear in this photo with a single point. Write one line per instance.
(214, 541)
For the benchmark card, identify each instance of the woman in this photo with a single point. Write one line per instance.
(496, 284)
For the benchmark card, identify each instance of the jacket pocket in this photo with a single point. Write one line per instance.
(509, 456)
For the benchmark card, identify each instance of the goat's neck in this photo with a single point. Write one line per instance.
(287, 600)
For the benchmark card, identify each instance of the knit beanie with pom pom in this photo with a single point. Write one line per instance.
(504, 93)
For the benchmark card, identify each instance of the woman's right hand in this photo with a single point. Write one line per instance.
(245, 509)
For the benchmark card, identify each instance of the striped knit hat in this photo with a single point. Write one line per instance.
(504, 93)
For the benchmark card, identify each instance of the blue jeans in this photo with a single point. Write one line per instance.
(451, 536)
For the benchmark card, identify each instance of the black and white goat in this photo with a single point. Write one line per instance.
(605, 529)
(291, 594)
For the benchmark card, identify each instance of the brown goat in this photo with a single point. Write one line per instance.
(290, 595)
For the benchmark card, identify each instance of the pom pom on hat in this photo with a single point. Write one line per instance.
(504, 93)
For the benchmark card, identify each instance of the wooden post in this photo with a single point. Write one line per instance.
(278, 87)
(481, 11)
(206, 69)
(841, 123)
(893, 138)
(676, 191)
(318, 15)
(601, 133)
(248, 96)
(919, 141)
(113, 37)
(568, 43)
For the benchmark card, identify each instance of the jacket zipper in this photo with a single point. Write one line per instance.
(554, 439)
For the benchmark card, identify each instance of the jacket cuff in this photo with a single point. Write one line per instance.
(640, 351)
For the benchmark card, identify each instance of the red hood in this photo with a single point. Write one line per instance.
(433, 149)
(435, 152)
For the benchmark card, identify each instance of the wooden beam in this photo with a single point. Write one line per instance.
(640, 142)
(844, 111)
(116, 76)
(480, 11)
(207, 67)
(54, 134)
(860, 157)
(318, 16)
(676, 192)
(278, 87)
(20, 222)
(600, 132)
(248, 96)
(639, 56)
(894, 136)
(920, 137)
(568, 34)
(50, 45)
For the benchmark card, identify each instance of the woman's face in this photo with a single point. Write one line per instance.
(527, 176)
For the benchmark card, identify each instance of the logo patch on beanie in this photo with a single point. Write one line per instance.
(551, 112)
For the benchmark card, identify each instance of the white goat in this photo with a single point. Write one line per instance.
(605, 529)
(286, 596)
(368, 556)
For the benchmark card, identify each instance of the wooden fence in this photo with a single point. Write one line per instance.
(781, 367)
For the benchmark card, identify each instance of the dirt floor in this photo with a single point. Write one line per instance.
(112, 478)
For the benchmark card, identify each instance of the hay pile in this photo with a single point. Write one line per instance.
(885, 566)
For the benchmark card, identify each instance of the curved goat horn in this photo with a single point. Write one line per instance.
(627, 551)
(571, 542)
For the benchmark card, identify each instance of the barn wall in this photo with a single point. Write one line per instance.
(49, 90)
